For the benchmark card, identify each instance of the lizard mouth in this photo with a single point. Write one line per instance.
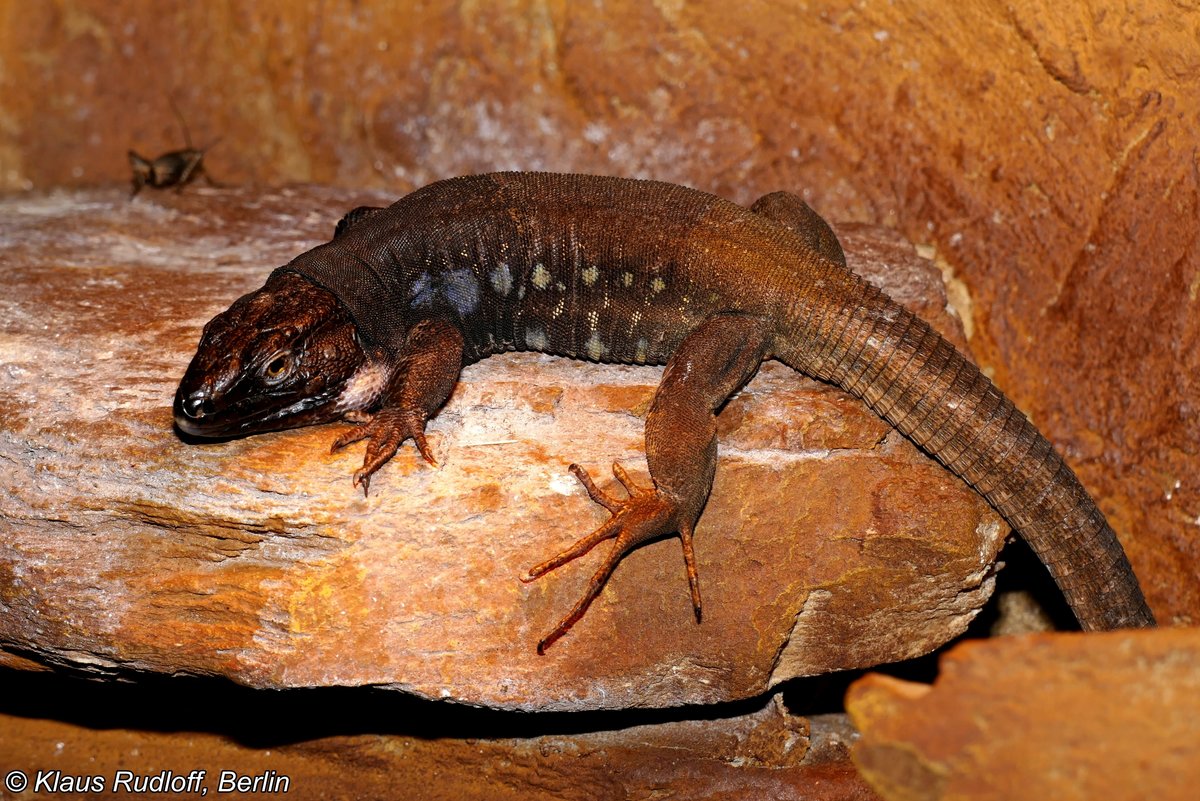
(198, 415)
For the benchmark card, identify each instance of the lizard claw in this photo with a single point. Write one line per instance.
(385, 432)
(645, 515)
(362, 479)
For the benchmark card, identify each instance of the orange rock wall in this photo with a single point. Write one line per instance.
(1113, 715)
(1046, 152)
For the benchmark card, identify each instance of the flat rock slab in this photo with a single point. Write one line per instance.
(829, 541)
(1065, 716)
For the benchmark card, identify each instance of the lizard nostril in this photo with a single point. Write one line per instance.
(197, 406)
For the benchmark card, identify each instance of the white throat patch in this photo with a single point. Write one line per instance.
(364, 387)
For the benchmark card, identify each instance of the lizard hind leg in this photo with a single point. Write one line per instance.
(712, 363)
(639, 518)
(792, 212)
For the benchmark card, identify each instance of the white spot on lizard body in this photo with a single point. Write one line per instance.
(595, 348)
(541, 276)
(535, 338)
(501, 278)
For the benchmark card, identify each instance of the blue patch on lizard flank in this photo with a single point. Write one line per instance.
(422, 292)
(462, 290)
(458, 289)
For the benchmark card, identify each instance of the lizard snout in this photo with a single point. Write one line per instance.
(191, 409)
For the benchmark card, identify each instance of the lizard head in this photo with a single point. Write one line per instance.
(280, 357)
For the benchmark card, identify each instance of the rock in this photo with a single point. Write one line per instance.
(357, 744)
(1066, 716)
(1045, 156)
(829, 541)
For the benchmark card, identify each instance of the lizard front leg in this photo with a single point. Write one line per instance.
(426, 371)
(712, 363)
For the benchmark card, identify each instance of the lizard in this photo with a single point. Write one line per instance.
(375, 326)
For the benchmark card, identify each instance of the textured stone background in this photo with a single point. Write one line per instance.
(1065, 716)
(1047, 154)
(1044, 154)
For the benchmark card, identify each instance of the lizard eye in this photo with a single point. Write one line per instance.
(278, 367)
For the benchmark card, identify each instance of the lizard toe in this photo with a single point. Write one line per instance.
(645, 515)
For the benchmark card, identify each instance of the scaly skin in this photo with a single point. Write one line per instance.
(376, 325)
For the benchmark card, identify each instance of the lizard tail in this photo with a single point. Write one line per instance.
(920, 383)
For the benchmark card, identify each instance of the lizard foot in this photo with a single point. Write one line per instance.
(645, 515)
(385, 432)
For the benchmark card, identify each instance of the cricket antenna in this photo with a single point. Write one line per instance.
(187, 137)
